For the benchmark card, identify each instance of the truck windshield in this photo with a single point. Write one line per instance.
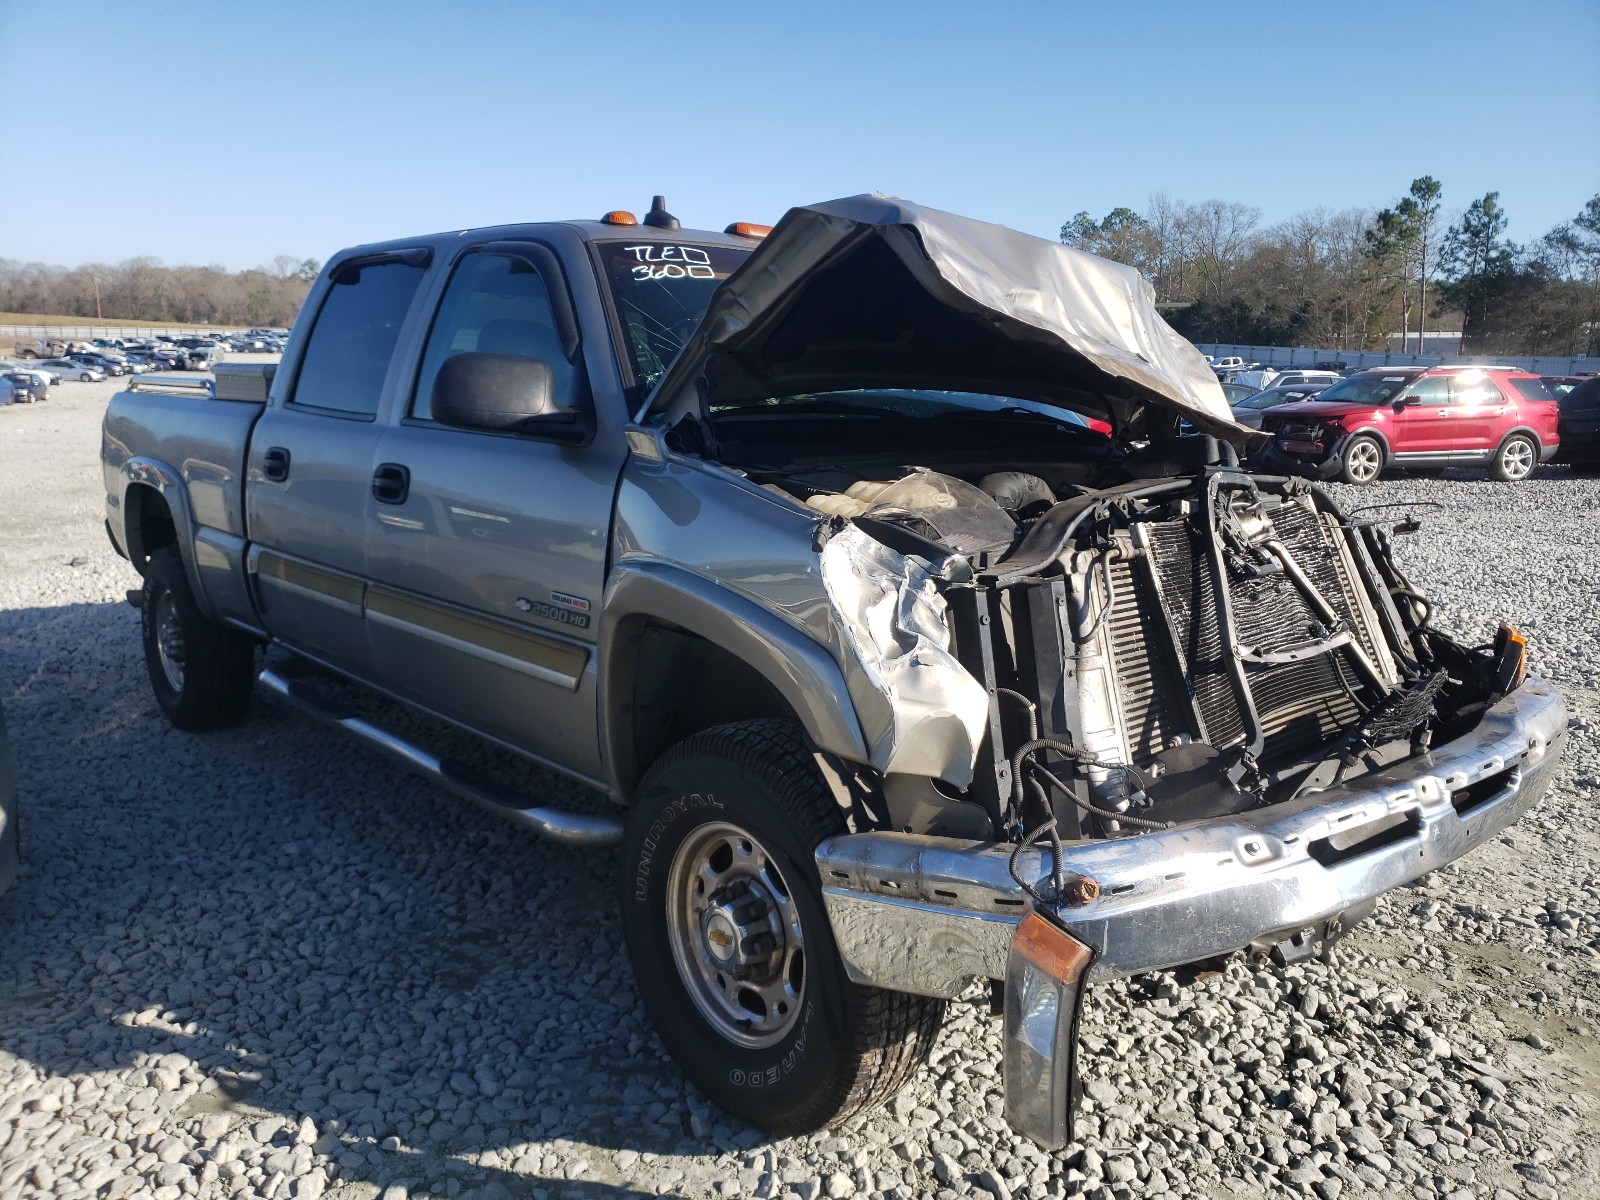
(661, 290)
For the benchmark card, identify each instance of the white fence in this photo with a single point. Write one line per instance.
(1302, 356)
(29, 333)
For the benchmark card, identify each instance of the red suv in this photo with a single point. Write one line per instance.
(1496, 417)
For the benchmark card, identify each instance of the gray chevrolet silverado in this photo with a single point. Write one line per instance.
(895, 576)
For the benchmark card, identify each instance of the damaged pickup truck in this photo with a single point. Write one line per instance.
(809, 548)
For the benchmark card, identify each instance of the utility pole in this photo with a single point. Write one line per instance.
(98, 315)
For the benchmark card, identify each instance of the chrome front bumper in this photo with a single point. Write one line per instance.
(927, 915)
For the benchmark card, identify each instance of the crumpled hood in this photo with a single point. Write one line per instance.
(874, 291)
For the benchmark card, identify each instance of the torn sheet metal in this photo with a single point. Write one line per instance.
(894, 620)
(871, 291)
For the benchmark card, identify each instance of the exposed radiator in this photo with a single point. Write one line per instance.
(1167, 647)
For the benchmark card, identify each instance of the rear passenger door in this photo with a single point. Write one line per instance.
(311, 461)
(1480, 414)
(486, 565)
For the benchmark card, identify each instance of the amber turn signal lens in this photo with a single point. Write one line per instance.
(746, 229)
(619, 217)
(1511, 657)
(1057, 954)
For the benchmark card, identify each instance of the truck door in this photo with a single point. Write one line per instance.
(311, 461)
(486, 552)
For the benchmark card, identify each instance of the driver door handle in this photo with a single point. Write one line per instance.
(275, 464)
(391, 483)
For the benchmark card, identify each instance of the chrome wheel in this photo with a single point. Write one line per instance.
(169, 640)
(1516, 459)
(735, 935)
(1363, 461)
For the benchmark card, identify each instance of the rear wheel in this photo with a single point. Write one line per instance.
(1361, 461)
(731, 944)
(201, 672)
(1515, 459)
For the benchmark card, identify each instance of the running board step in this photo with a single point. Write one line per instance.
(571, 829)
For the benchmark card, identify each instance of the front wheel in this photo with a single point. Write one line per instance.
(201, 672)
(731, 945)
(1514, 460)
(1362, 460)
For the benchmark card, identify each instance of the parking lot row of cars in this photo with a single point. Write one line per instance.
(40, 365)
(1331, 423)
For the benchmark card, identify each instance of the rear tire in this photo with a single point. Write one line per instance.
(731, 945)
(1514, 460)
(201, 672)
(1361, 462)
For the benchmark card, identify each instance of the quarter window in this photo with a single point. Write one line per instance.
(354, 337)
(494, 304)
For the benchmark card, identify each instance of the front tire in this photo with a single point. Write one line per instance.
(201, 672)
(1361, 461)
(1515, 459)
(731, 945)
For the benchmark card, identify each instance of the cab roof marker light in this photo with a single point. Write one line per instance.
(747, 229)
(618, 216)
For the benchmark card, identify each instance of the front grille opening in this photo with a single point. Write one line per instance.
(1364, 839)
(1464, 800)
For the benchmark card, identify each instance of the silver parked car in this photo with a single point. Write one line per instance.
(71, 368)
(1248, 411)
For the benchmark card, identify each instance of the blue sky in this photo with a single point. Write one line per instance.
(227, 133)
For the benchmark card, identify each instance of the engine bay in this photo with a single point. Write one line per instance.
(1161, 650)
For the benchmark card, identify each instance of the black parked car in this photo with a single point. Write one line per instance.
(1559, 385)
(1580, 425)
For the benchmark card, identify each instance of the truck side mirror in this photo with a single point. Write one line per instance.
(504, 393)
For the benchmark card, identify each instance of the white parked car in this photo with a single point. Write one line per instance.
(1295, 377)
(69, 369)
(42, 378)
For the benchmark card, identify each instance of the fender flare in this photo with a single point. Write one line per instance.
(799, 669)
(143, 471)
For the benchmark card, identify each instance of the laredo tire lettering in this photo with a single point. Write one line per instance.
(776, 1073)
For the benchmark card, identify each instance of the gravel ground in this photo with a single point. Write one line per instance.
(263, 963)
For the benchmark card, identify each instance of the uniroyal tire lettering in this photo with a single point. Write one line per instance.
(647, 849)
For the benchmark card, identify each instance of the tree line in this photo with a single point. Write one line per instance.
(142, 289)
(1351, 279)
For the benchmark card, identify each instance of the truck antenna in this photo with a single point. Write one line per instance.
(659, 216)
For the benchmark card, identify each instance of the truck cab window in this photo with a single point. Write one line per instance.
(354, 337)
(494, 304)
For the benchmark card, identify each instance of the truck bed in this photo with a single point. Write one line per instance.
(182, 439)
